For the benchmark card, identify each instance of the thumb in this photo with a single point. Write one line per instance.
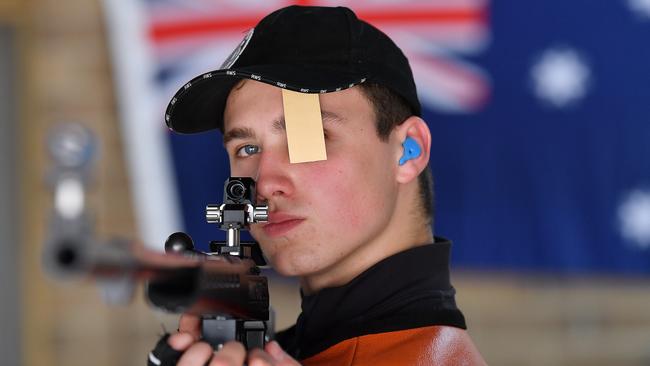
(190, 324)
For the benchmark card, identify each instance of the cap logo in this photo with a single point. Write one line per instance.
(234, 56)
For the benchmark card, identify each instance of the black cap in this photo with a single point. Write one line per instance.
(300, 48)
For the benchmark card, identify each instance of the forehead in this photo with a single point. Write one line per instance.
(252, 103)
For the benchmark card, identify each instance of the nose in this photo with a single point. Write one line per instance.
(273, 175)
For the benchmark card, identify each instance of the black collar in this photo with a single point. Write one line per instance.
(410, 289)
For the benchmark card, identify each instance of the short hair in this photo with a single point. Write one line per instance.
(392, 110)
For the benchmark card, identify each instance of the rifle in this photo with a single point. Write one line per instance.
(233, 304)
(224, 286)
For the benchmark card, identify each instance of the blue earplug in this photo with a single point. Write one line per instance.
(411, 150)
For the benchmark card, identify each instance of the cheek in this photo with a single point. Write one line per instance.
(346, 196)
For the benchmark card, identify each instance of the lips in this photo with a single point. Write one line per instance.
(280, 224)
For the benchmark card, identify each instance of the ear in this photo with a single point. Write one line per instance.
(415, 128)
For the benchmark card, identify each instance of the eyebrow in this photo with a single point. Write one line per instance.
(278, 125)
(331, 117)
(238, 133)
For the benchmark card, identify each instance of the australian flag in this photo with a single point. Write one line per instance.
(539, 111)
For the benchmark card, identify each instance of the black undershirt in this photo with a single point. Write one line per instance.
(410, 289)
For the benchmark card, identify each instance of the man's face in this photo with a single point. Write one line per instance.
(323, 213)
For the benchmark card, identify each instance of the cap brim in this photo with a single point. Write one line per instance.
(199, 105)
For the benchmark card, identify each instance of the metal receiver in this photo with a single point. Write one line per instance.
(236, 213)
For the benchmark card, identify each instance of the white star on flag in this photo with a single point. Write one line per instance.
(634, 217)
(560, 77)
(640, 7)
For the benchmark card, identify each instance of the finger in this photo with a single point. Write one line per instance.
(257, 357)
(181, 341)
(197, 355)
(274, 349)
(279, 355)
(190, 324)
(231, 354)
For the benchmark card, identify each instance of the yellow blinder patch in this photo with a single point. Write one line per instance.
(304, 125)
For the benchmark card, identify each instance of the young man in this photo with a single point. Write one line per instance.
(355, 227)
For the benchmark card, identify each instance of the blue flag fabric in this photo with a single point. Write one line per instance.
(552, 172)
(553, 179)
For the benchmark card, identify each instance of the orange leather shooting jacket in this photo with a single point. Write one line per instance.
(434, 345)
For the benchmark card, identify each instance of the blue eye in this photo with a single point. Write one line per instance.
(247, 150)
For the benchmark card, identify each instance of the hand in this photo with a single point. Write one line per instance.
(272, 355)
(233, 353)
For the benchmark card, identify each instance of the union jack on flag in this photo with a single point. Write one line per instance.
(191, 37)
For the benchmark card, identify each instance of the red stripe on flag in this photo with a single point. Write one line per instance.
(164, 32)
(435, 16)
(304, 2)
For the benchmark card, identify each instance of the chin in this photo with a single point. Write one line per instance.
(285, 267)
(293, 264)
(286, 272)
